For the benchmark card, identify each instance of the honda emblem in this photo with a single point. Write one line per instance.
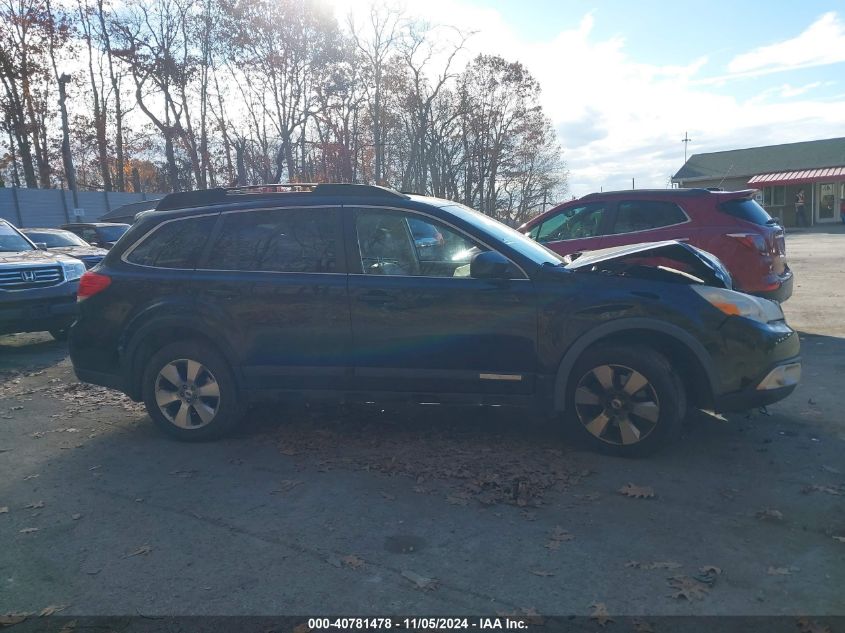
(28, 275)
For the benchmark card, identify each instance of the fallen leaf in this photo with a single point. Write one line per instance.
(767, 514)
(34, 505)
(806, 625)
(831, 469)
(352, 561)
(11, 619)
(820, 488)
(778, 571)
(70, 627)
(637, 492)
(143, 550)
(542, 573)
(561, 535)
(421, 582)
(641, 626)
(668, 564)
(840, 539)
(76, 516)
(55, 608)
(4, 509)
(458, 499)
(286, 485)
(185, 474)
(710, 570)
(29, 530)
(28, 477)
(687, 588)
(389, 497)
(600, 614)
(290, 452)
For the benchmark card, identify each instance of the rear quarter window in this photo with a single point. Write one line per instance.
(748, 210)
(174, 244)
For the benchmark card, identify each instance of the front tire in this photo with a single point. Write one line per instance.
(190, 392)
(625, 400)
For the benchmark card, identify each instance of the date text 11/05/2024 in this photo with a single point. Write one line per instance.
(416, 624)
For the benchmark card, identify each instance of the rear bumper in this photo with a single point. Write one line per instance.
(782, 292)
(775, 384)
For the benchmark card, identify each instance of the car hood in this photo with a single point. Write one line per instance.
(80, 251)
(701, 265)
(37, 257)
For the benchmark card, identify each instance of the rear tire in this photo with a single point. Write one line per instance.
(190, 392)
(624, 400)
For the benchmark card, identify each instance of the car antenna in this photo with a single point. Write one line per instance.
(725, 176)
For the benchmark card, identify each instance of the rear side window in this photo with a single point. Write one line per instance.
(175, 244)
(278, 240)
(643, 215)
(572, 224)
(748, 210)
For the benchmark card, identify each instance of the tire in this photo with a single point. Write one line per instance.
(192, 408)
(603, 412)
(60, 334)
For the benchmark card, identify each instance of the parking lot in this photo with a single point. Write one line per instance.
(425, 510)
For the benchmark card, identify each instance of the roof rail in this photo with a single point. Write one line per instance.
(202, 197)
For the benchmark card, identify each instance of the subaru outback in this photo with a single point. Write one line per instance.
(221, 298)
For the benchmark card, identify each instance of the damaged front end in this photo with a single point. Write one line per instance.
(670, 261)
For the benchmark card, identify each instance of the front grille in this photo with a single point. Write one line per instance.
(24, 277)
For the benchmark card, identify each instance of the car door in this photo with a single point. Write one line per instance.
(637, 221)
(421, 324)
(274, 280)
(575, 228)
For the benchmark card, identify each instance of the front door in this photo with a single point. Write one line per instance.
(825, 210)
(421, 324)
(274, 280)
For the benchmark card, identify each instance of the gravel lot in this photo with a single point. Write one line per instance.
(426, 510)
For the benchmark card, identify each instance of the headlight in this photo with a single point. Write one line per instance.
(739, 304)
(73, 270)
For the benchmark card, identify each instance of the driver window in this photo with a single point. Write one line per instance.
(573, 223)
(395, 243)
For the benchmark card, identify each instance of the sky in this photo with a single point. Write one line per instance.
(624, 81)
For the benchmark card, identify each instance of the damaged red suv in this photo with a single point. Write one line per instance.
(729, 224)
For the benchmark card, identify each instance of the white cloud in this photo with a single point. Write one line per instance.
(823, 42)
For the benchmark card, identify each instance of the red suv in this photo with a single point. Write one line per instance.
(729, 224)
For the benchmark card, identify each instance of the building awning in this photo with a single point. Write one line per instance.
(795, 177)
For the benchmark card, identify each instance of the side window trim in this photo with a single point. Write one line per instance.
(350, 232)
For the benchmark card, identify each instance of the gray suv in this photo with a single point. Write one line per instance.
(37, 288)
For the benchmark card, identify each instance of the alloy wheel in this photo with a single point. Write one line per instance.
(187, 394)
(617, 404)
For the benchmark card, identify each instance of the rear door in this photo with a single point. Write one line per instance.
(575, 228)
(275, 281)
(421, 324)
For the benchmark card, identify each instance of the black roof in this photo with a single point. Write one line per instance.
(127, 212)
(92, 224)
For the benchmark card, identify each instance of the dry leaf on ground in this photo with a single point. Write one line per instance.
(28, 477)
(70, 627)
(641, 626)
(352, 561)
(558, 536)
(143, 550)
(778, 571)
(831, 490)
(286, 485)
(805, 625)
(542, 573)
(185, 474)
(600, 614)
(637, 492)
(55, 608)
(687, 588)
(76, 516)
(28, 530)
(768, 514)
(11, 619)
(421, 582)
(388, 496)
(4, 509)
(661, 564)
(840, 539)
(34, 505)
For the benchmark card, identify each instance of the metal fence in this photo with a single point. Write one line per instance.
(54, 207)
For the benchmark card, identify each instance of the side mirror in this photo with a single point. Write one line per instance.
(491, 265)
(42, 246)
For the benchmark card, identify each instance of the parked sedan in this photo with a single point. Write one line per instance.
(68, 243)
(102, 234)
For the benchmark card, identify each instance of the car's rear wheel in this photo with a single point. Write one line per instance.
(625, 400)
(190, 392)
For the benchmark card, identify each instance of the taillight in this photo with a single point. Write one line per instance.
(92, 283)
(754, 241)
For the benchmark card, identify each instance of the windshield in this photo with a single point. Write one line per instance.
(53, 240)
(11, 241)
(524, 246)
(112, 233)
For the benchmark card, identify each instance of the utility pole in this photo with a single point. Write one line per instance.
(685, 141)
(67, 159)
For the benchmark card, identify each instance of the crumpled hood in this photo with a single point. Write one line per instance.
(698, 263)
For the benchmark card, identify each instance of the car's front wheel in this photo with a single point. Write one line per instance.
(625, 400)
(190, 392)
